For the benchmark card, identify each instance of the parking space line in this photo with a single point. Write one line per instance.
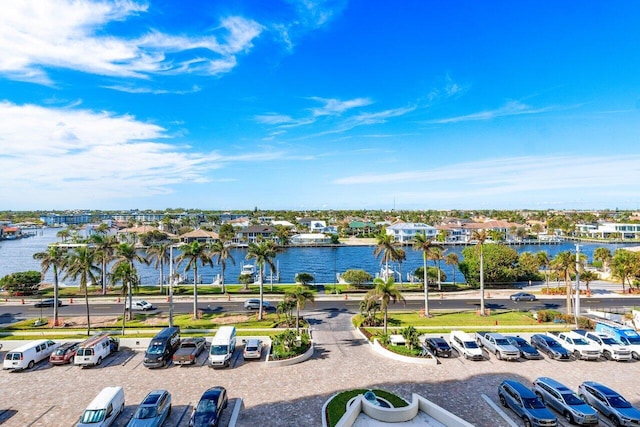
(183, 413)
(41, 415)
(499, 411)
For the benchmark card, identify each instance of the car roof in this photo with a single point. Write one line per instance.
(555, 384)
(522, 389)
(212, 393)
(153, 397)
(602, 388)
(253, 341)
(67, 345)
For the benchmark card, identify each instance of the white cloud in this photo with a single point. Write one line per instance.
(333, 107)
(511, 108)
(39, 35)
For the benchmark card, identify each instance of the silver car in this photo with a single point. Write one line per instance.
(153, 411)
(609, 403)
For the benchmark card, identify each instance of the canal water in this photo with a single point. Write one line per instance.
(322, 262)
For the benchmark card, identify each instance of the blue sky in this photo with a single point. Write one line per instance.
(319, 105)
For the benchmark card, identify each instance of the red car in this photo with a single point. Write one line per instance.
(64, 354)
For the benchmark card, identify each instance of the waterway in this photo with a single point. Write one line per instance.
(322, 262)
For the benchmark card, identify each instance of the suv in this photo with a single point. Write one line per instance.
(565, 401)
(153, 411)
(254, 304)
(550, 346)
(252, 349)
(610, 404)
(465, 345)
(525, 404)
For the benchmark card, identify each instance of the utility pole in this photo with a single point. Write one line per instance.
(171, 280)
(577, 304)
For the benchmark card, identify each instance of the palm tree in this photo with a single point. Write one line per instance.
(385, 291)
(158, 253)
(126, 274)
(81, 266)
(104, 247)
(300, 295)
(543, 260)
(452, 260)
(588, 277)
(625, 265)
(54, 258)
(126, 253)
(480, 236)
(565, 264)
(63, 234)
(263, 253)
(386, 245)
(604, 255)
(424, 244)
(435, 254)
(192, 253)
(221, 251)
(401, 256)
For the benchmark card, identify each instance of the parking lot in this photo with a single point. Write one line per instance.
(294, 395)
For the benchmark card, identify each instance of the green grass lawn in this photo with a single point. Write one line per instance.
(470, 318)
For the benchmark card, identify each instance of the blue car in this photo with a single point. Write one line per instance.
(209, 409)
(609, 403)
(550, 347)
(525, 404)
(153, 411)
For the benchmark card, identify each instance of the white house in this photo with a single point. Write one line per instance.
(404, 232)
(607, 230)
(310, 239)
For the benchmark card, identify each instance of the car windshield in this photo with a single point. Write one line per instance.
(206, 405)
(533, 403)
(156, 348)
(92, 416)
(580, 341)
(470, 344)
(219, 350)
(60, 351)
(502, 342)
(633, 339)
(252, 348)
(145, 412)
(618, 402)
(572, 399)
(609, 341)
(442, 344)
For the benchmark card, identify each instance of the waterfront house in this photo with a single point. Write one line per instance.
(199, 235)
(405, 232)
(310, 239)
(255, 233)
(610, 230)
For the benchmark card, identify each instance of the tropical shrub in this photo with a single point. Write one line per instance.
(288, 344)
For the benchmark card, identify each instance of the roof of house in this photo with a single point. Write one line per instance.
(200, 234)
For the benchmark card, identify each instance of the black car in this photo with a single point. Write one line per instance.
(527, 351)
(209, 409)
(48, 303)
(439, 347)
(550, 347)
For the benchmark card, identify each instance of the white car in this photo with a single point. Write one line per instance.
(252, 349)
(140, 305)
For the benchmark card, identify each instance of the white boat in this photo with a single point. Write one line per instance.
(248, 269)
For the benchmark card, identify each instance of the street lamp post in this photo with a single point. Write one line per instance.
(171, 281)
(577, 304)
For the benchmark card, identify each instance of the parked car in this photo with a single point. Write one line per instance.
(49, 302)
(523, 296)
(578, 345)
(527, 351)
(609, 403)
(525, 404)
(189, 350)
(611, 349)
(209, 409)
(466, 345)
(550, 347)
(565, 401)
(252, 349)
(139, 305)
(153, 411)
(64, 354)
(439, 347)
(254, 304)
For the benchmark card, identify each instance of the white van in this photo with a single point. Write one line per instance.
(465, 345)
(27, 355)
(223, 344)
(95, 349)
(104, 408)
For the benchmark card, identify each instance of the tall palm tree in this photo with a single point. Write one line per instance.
(604, 255)
(126, 253)
(543, 260)
(480, 236)
(81, 266)
(401, 256)
(453, 260)
(386, 246)
(104, 247)
(63, 234)
(126, 274)
(385, 291)
(263, 253)
(565, 264)
(422, 243)
(192, 253)
(54, 258)
(221, 252)
(299, 295)
(158, 253)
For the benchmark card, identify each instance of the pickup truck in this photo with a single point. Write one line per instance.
(578, 345)
(189, 350)
(497, 344)
(611, 349)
